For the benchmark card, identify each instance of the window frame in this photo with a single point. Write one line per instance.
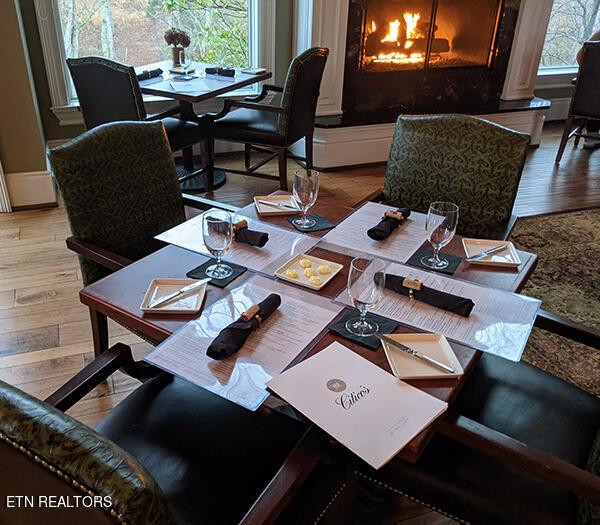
(261, 14)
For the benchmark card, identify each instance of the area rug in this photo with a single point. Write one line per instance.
(567, 280)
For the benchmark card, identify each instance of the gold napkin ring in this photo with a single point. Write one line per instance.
(412, 285)
(258, 318)
(392, 214)
(240, 225)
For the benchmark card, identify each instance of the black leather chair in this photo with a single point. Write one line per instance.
(275, 127)
(109, 91)
(171, 453)
(585, 103)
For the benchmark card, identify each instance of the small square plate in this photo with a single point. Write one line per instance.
(508, 257)
(301, 279)
(266, 210)
(189, 303)
(405, 366)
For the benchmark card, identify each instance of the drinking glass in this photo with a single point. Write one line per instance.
(217, 233)
(185, 62)
(441, 222)
(366, 281)
(305, 192)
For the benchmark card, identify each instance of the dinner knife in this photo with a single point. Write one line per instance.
(278, 205)
(178, 293)
(485, 253)
(415, 353)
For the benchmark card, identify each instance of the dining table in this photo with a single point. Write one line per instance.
(119, 296)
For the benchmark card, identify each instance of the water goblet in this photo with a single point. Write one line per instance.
(217, 233)
(441, 222)
(305, 191)
(366, 281)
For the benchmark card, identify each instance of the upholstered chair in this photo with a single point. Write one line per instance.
(458, 158)
(171, 453)
(278, 125)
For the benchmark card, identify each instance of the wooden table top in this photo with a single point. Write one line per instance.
(209, 86)
(119, 296)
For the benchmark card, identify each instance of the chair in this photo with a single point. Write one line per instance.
(275, 127)
(170, 453)
(109, 91)
(514, 449)
(584, 102)
(458, 158)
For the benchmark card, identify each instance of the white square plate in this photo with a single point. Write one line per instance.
(266, 210)
(508, 257)
(189, 303)
(302, 280)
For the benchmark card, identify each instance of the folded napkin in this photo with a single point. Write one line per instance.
(146, 75)
(446, 301)
(251, 237)
(389, 222)
(233, 337)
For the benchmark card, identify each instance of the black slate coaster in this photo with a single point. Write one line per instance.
(198, 273)
(322, 224)
(386, 326)
(415, 260)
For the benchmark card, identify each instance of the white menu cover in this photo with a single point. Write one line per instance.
(366, 409)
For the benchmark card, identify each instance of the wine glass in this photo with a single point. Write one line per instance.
(217, 233)
(366, 281)
(185, 62)
(442, 219)
(305, 192)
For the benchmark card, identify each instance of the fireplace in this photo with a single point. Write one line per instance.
(426, 56)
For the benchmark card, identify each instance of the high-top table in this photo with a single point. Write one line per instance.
(119, 296)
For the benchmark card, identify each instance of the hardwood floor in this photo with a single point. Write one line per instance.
(45, 334)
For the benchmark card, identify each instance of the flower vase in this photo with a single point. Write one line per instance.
(176, 51)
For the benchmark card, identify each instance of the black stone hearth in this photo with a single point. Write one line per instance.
(457, 64)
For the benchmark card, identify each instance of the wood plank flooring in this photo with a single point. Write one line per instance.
(45, 334)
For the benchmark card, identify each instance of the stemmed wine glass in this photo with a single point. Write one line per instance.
(366, 281)
(217, 233)
(185, 62)
(305, 192)
(442, 219)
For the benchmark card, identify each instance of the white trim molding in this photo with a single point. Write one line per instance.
(31, 188)
(262, 17)
(4, 200)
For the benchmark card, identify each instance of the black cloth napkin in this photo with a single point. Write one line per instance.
(446, 301)
(387, 225)
(386, 326)
(251, 237)
(146, 75)
(322, 223)
(199, 273)
(233, 337)
(415, 260)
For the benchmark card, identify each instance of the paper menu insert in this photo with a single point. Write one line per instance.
(368, 410)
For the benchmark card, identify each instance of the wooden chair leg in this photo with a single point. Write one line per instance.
(282, 155)
(582, 125)
(210, 164)
(188, 158)
(565, 138)
(247, 156)
(99, 331)
(308, 148)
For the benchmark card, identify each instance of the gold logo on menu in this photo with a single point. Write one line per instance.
(336, 385)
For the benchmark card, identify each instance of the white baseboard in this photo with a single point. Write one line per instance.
(30, 188)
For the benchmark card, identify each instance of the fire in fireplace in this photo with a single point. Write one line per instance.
(416, 34)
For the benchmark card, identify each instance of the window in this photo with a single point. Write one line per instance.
(572, 22)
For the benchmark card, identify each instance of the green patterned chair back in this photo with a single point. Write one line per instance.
(44, 452)
(301, 93)
(120, 189)
(456, 158)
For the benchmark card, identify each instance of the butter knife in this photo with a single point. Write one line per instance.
(415, 353)
(485, 253)
(178, 293)
(278, 205)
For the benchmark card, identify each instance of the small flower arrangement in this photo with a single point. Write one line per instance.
(177, 37)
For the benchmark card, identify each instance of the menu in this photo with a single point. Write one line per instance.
(362, 406)
(500, 322)
(282, 245)
(241, 378)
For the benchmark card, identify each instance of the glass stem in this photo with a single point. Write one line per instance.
(363, 320)
(218, 268)
(436, 255)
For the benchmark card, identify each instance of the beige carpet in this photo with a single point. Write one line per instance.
(567, 280)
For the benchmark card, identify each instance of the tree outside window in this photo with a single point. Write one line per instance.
(572, 22)
(131, 31)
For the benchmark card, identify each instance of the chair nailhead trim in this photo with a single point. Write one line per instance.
(412, 498)
(60, 474)
(326, 507)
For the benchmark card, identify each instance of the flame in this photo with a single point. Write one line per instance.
(393, 32)
(393, 35)
(411, 19)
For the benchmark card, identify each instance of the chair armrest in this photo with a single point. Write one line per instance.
(570, 329)
(164, 114)
(296, 468)
(202, 203)
(104, 257)
(265, 91)
(230, 103)
(540, 464)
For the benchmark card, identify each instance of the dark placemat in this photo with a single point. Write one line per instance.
(415, 260)
(386, 326)
(198, 273)
(322, 224)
